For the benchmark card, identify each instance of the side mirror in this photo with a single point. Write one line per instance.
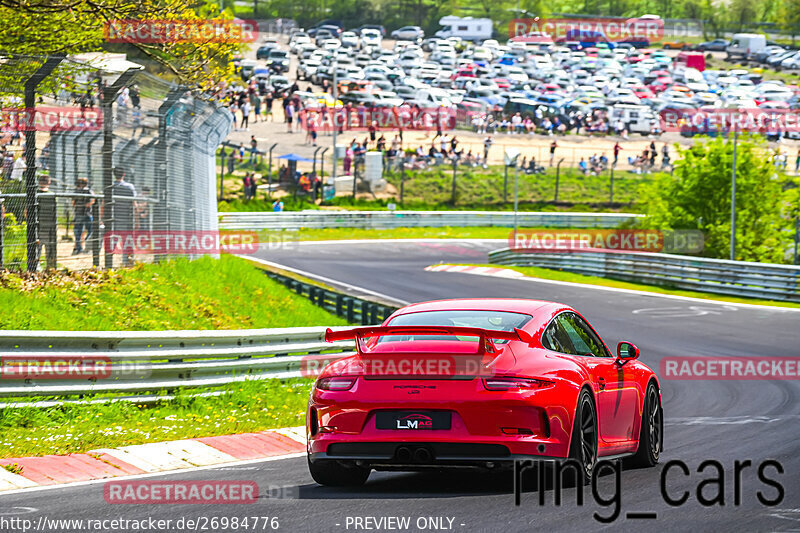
(626, 351)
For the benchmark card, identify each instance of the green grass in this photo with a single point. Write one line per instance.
(483, 189)
(246, 407)
(225, 293)
(228, 293)
(560, 275)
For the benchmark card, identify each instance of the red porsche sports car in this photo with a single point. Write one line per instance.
(480, 383)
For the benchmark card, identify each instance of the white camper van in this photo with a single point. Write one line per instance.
(746, 44)
(467, 28)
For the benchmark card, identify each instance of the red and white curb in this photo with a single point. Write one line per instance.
(154, 457)
(479, 270)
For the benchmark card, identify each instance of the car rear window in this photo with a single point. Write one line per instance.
(497, 320)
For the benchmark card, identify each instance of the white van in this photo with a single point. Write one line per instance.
(745, 44)
(639, 118)
(467, 28)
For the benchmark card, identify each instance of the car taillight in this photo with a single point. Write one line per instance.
(336, 383)
(514, 383)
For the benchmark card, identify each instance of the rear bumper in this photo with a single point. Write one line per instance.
(404, 455)
(504, 448)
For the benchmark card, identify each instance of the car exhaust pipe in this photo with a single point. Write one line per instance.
(403, 454)
(422, 455)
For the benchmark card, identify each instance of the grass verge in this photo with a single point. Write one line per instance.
(225, 293)
(246, 407)
(560, 275)
(228, 293)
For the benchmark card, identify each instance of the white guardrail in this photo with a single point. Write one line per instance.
(68, 363)
(734, 278)
(289, 220)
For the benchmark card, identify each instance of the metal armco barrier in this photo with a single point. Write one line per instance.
(353, 309)
(412, 219)
(148, 361)
(734, 278)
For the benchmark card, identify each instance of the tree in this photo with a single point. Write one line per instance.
(789, 17)
(42, 27)
(742, 12)
(698, 196)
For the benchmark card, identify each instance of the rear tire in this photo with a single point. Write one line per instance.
(583, 445)
(651, 436)
(332, 473)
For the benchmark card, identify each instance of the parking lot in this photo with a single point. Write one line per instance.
(523, 94)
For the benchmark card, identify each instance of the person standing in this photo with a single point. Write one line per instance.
(246, 186)
(256, 101)
(83, 215)
(348, 159)
(487, 143)
(553, 146)
(268, 99)
(797, 163)
(48, 222)
(123, 194)
(253, 149)
(289, 115)
(617, 150)
(231, 161)
(245, 115)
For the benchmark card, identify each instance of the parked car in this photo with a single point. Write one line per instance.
(349, 39)
(264, 50)
(717, 45)
(359, 31)
(278, 61)
(409, 33)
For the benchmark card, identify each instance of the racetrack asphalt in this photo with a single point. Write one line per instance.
(723, 421)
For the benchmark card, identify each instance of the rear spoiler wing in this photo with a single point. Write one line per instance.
(485, 335)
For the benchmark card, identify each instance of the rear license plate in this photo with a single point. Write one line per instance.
(413, 420)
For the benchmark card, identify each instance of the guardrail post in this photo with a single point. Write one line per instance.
(339, 304)
(351, 317)
(373, 315)
(364, 313)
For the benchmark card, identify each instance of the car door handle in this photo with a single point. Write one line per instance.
(602, 383)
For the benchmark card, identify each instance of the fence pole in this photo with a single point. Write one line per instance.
(161, 208)
(269, 172)
(402, 176)
(505, 183)
(611, 198)
(109, 94)
(32, 218)
(453, 193)
(558, 170)
(222, 173)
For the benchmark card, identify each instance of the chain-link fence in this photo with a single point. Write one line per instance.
(97, 153)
